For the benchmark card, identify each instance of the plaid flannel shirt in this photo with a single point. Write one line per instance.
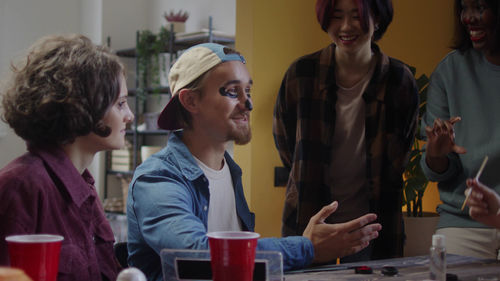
(303, 129)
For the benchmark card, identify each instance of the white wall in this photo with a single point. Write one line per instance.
(91, 19)
(122, 18)
(22, 22)
(223, 13)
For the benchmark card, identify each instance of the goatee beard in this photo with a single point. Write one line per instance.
(242, 137)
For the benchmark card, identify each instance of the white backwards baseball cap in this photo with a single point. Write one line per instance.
(193, 63)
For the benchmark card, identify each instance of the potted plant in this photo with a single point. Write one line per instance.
(178, 20)
(415, 181)
(419, 225)
(150, 64)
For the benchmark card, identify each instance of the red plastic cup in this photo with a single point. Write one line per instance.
(36, 254)
(232, 255)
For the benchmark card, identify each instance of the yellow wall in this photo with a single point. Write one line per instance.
(271, 34)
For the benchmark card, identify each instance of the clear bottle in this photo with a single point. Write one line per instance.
(437, 258)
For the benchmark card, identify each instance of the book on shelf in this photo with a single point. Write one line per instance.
(122, 160)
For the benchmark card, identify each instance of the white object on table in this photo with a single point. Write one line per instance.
(131, 274)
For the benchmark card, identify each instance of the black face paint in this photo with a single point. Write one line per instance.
(248, 105)
(224, 92)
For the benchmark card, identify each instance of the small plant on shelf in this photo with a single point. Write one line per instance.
(180, 16)
(149, 62)
(177, 21)
(415, 181)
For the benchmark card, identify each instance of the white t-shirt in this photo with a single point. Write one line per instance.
(222, 208)
(348, 167)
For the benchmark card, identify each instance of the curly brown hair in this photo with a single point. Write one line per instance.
(62, 90)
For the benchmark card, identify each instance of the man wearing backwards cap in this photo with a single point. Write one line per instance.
(193, 186)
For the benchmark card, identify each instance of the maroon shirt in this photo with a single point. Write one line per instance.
(42, 192)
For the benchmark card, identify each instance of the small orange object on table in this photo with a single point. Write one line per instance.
(13, 274)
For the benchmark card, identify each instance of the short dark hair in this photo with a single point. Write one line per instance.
(62, 90)
(462, 40)
(381, 10)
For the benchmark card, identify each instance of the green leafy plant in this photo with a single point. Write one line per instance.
(149, 46)
(415, 181)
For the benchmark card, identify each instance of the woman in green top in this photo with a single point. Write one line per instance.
(461, 124)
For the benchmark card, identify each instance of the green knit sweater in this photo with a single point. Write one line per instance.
(466, 85)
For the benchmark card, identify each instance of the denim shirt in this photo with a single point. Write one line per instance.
(167, 207)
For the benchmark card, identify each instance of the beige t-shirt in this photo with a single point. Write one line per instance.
(347, 178)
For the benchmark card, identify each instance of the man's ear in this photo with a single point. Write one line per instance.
(189, 100)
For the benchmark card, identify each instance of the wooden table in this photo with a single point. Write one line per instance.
(411, 268)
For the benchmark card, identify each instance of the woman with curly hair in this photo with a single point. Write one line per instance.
(67, 100)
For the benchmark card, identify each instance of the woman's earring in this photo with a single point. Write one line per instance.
(376, 26)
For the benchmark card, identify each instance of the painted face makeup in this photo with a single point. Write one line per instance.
(233, 93)
(224, 114)
(477, 17)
